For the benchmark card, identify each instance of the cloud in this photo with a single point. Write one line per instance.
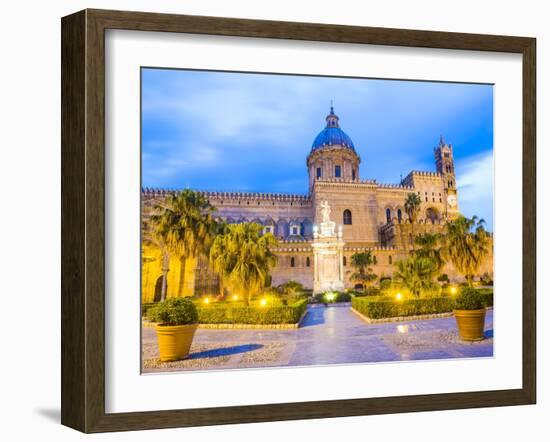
(475, 186)
(234, 131)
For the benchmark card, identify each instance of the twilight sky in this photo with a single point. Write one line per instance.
(252, 132)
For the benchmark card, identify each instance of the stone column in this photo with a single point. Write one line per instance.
(315, 267)
(341, 253)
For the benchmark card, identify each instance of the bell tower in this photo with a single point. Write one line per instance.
(445, 166)
(444, 163)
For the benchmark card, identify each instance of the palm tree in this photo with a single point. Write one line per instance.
(430, 247)
(412, 207)
(466, 245)
(219, 258)
(363, 272)
(243, 257)
(416, 274)
(182, 226)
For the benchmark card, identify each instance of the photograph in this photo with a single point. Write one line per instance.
(305, 220)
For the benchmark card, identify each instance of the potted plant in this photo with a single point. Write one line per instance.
(469, 311)
(177, 320)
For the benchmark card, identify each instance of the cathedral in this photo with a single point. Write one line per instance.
(368, 215)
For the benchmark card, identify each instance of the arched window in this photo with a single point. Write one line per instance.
(399, 216)
(353, 174)
(388, 215)
(389, 259)
(292, 262)
(345, 261)
(318, 172)
(337, 171)
(308, 262)
(347, 217)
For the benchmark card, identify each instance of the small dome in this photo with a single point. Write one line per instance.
(332, 135)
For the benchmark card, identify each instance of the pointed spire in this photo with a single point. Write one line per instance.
(332, 118)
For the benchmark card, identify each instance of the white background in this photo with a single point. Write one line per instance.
(29, 179)
(128, 391)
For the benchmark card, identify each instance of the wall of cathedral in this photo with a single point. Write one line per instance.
(180, 277)
(360, 199)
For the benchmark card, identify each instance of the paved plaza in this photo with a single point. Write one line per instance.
(328, 335)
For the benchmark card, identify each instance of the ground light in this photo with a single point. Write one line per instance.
(453, 290)
(235, 297)
(399, 296)
(330, 296)
(263, 302)
(206, 300)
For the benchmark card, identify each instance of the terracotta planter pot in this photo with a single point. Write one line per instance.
(471, 324)
(175, 341)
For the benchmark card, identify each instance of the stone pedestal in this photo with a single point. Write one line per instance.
(328, 255)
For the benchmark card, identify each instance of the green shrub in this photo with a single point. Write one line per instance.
(343, 297)
(486, 279)
(386, 307)
(470, 299)
(174, 311)
(226, 314)
(145, 308)
(372, 291)
(443, 278)
(290, 287)
(385, 283)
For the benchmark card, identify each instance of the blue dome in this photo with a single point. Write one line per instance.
(332, 135)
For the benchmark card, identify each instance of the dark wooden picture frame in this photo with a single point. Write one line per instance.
(83, 220)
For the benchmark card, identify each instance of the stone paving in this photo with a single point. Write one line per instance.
(328, 335)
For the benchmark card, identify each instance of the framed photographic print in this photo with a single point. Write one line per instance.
(267, 221)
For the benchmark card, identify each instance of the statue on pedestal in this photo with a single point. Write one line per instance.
(328, 254)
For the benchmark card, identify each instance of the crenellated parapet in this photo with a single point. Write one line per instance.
(409, 180)
(263, 196)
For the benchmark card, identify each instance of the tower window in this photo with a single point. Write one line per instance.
(388, 215)
(318, 172)
(337, 171)
(347, 217)
(344, 261)
(446, 155)
(292, 262)
(353, 174)
(295, 230)
(399, 216)
(389, 259)
(308, 263)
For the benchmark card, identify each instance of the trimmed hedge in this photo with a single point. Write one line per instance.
(378, 308)
(386, 307)
(288, 314)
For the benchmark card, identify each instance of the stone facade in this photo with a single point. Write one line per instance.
(372, 216)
